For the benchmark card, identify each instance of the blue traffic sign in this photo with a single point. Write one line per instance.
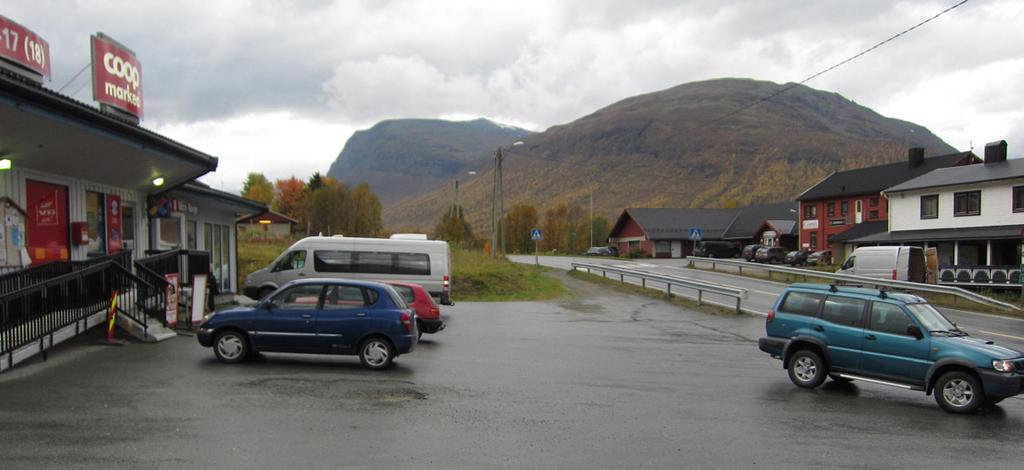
(696, 233)
(536, 234)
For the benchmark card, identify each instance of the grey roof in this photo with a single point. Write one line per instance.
(715, 224)
(783, 227)
(750, 219)
(872, 180)
(862, 229)
(945, 234)
(969, 174)
(675, 224)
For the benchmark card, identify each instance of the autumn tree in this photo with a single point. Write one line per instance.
(601, 228)
(556, 230)
(289, 197)
(517, 225)
(454, 229)
(365, 218)
(258, 188)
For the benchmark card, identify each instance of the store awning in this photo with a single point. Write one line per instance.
(948, 234)
(45, 131)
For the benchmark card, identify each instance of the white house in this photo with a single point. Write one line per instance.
(973, 215)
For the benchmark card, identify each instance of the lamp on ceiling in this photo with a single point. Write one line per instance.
(5, 163)
(158, 181)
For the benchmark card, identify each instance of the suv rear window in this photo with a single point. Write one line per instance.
(801, 303)
(844, 311)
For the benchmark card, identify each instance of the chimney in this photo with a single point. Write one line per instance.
(995, 152)
(916, 155)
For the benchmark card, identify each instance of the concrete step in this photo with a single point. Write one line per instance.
(152, 332)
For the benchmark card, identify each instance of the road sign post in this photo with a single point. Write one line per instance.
(536, 235)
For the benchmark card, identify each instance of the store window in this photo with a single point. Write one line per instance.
(168, 233)
(95, 219)
(128, 227)
(814, 240)
(190, 234)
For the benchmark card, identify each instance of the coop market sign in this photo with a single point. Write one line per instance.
(21, 46)
(116, 75)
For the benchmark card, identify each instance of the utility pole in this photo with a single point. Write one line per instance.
(455, 205)
(591, 216)
(497, 206)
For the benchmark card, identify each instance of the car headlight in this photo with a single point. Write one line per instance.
(1003, 365)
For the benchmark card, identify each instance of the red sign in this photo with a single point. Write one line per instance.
(114, 242)
(47, 221)
(20, 45)
(116, 76)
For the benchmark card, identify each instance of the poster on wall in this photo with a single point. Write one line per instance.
(47, 222)
(172, 298)
(114, 232)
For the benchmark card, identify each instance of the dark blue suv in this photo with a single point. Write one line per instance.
(893, 339)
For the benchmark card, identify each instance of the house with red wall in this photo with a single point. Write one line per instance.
(851, 199)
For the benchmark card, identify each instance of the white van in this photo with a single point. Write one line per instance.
(902, 263)
(424, 262)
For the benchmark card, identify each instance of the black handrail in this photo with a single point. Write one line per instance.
(26, 277)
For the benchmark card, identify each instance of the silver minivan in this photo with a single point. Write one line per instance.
(424, 262)
(902, 263)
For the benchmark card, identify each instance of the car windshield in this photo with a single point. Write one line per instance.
(932, 320)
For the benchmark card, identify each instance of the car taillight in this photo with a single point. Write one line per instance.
(894, 274)
(771, 314)
(447, 284)
(406, 321)
(435, 312)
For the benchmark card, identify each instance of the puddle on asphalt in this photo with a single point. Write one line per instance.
(339, 391)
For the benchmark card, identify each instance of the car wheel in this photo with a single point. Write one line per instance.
(806, 369)
(376, 353)
(837, 378)
(958, 392)
(231, 347)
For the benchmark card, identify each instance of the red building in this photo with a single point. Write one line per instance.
(847, 199)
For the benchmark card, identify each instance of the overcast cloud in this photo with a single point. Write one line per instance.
(278, 86)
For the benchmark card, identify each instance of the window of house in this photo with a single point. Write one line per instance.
(930, 206)
(1018, 199)
(831, 211)
(967, 203)
(811, 211)
(873, 215)
(873, 202)
(844, 207)
(814, 240)
(828, 239)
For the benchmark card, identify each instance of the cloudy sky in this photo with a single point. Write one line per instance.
(278, 86)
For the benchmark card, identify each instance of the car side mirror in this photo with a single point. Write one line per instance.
(915, 331)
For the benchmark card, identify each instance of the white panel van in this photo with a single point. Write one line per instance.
(902, 263)
(424, 262)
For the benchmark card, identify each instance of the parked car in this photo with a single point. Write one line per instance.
(797, 258)
(820, 257)
(716, 249)
(428, 313)
(613, 250)
(322, 316)
(770, 254)
(750, 251)
(424, 262)
(895, 339)
(903, 263)
(598, 251)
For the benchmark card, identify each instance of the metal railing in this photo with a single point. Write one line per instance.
(186, 263)
(700, 286)
(33, 313)
(859, 280)
(19, 279)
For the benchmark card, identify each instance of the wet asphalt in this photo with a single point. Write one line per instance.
(602, 379)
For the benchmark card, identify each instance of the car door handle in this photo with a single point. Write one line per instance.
(819, 328)
(307, 316)
(361, 314)
(870, 337)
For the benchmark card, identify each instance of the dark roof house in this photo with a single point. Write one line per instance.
(715, 224)
(875, 179)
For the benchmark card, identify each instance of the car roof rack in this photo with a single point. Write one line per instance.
(833, 288)
(882, 294)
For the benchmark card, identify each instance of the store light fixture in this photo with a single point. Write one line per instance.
(266, 221)
(158, 181)
(5, 163)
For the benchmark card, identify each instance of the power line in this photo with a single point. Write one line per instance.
(855, 56)
(73, 78)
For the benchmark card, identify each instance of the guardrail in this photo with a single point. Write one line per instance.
(861, 280)
(700, 286)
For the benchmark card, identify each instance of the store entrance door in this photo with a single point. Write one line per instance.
(47, 221)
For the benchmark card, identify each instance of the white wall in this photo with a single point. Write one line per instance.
(996, 207)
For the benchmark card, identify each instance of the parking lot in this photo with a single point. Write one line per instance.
(602, 379)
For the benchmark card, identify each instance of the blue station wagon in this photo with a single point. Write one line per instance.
(895, 339)
(322, 316)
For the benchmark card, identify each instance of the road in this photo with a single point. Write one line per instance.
(763, 293)
(602, 379)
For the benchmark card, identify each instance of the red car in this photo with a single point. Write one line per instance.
(428, 314)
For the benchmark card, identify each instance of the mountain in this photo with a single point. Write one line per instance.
(406, 157)
(686, 146)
